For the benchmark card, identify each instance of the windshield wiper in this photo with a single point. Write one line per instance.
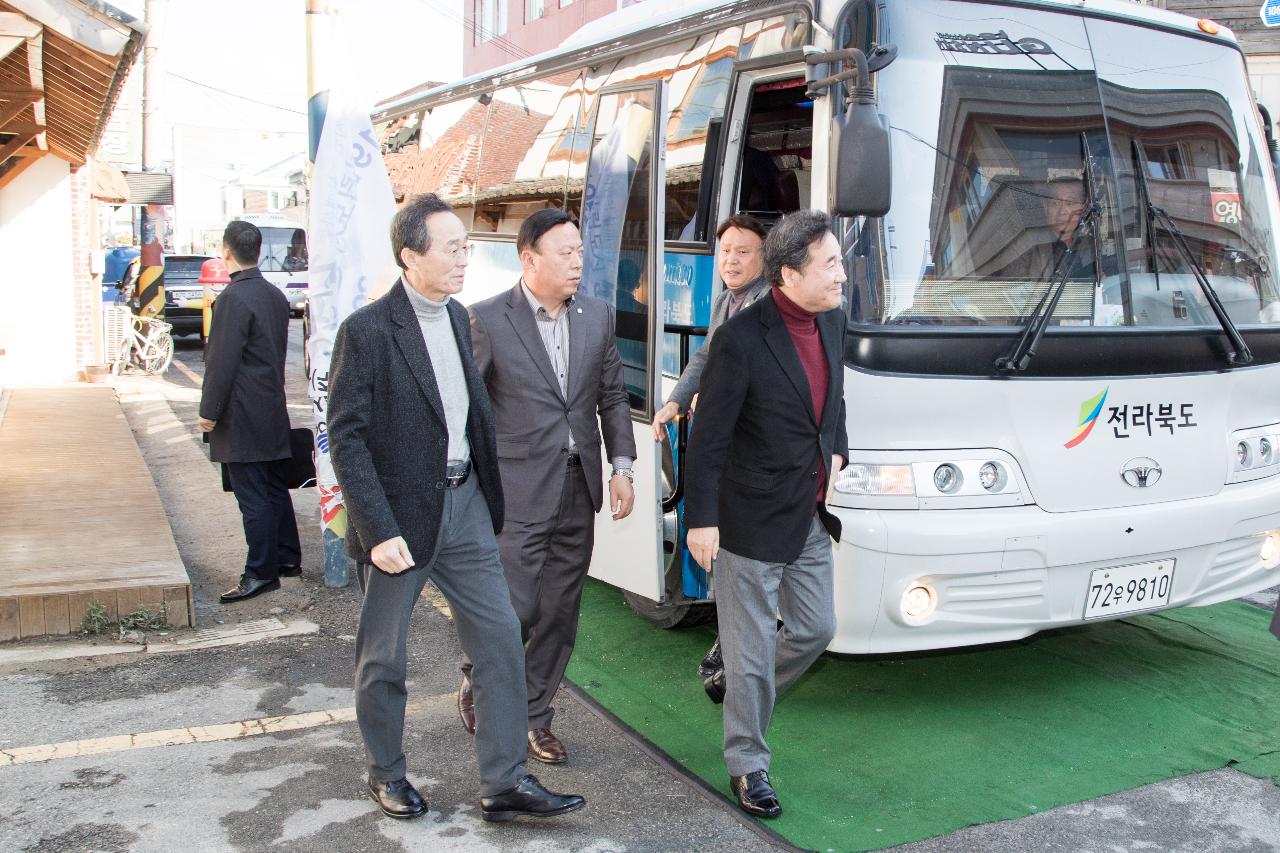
(1040, 317)
(1042, 314)
(1241, 353)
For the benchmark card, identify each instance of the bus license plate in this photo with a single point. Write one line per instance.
(1129, 589)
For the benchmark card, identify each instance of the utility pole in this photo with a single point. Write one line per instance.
(150, 285)
(321, 26)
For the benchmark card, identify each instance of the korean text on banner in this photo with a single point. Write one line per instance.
(351, 210)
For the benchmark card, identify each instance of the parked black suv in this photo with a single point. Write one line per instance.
(183, 293)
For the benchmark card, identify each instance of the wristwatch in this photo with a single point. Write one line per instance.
(629, 473)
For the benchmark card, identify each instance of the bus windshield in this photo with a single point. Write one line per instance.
(283, 250)
(1008, 122)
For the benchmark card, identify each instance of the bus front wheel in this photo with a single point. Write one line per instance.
(672, 614)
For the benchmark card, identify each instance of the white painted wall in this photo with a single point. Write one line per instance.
(1264, 75)
(37, 328)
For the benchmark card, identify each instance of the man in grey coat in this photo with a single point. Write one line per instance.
(550, 362)
(740, 262)
(412, 437)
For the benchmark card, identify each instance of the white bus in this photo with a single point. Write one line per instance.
(1040, 438)
(283, 260)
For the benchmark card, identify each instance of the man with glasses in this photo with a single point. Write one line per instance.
(411, 431)
(550, 361)
(769, 442)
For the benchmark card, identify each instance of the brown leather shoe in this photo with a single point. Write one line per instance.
(546, 747)
(467, 706)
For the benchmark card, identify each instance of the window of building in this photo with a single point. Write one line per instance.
(1165, 162)
(490, 20)
(534, 9)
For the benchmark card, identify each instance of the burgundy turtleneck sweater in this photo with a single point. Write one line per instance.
(803, 326)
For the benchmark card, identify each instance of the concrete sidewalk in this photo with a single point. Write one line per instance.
(83, 521)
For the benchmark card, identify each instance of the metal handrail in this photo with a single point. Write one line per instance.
(670, 502)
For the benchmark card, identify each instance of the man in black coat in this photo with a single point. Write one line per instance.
(412, 436)
(769, 439)
(242, 407)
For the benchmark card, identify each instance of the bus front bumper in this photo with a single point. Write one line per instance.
(1005, 573)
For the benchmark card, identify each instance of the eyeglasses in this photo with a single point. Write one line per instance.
(457, 253)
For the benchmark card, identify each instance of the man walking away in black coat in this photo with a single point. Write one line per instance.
(242, 407)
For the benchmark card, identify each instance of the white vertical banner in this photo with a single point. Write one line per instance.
(607, 192)
(351, 206)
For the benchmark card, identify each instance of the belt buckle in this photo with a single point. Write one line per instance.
(454, 480)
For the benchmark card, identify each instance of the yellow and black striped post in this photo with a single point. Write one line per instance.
(149, 289)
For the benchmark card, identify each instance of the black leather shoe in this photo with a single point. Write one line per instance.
(755, 795)
(290, 570)
(712, 661)
(248, 588)
(530, 799)
(398, 798)
(714, 685)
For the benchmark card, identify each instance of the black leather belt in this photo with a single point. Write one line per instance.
(575, 458)
(456, 475)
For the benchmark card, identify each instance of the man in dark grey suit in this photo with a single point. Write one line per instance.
(411, 433)
(550, 361)
(242, 408)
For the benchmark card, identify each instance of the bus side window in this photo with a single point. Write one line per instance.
(524, 157)
(776, 166)
(693, 140)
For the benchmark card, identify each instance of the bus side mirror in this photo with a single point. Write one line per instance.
(863, 177)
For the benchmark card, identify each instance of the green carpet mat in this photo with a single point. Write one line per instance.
(874, 752)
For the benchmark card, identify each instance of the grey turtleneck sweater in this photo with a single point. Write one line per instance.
(442, 346)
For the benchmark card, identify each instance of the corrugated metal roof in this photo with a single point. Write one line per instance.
(149, 187)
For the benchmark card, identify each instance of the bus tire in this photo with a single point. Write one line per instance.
(674, 614)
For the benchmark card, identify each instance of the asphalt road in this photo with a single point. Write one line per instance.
(301, 789)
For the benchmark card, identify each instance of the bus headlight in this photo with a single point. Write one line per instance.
(1270, 552)
(1255, 454)
(865, 478)
(992, 477)
(947, 478)
(919, 602)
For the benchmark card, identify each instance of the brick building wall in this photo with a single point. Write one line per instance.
(255, 201)
(523, 37)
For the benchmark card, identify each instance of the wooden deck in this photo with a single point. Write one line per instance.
(80, 518)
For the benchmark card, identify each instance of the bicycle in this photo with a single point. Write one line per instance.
(151, 352)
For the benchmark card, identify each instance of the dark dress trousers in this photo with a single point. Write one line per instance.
(243, 391)
(389, 440)
(754, 453)
(551, 500)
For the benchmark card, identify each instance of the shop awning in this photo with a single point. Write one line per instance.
(62, 65)
(109, 184)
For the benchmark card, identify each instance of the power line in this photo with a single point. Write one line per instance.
(234, 95)
(509, 47)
